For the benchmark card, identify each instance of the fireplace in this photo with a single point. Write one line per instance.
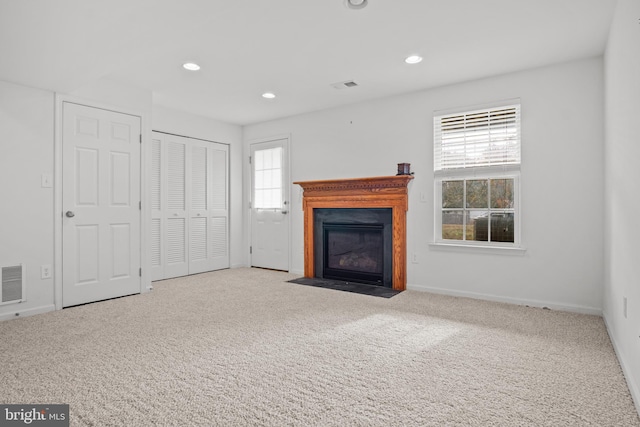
(362, 204)
(354, 244)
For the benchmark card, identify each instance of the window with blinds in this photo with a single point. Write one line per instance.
(478, 138)
(477, 176)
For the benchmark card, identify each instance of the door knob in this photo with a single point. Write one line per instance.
(70, 214)
(285, 212)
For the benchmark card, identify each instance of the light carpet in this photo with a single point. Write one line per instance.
(242, 347)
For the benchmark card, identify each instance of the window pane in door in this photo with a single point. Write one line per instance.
(276, 158)
(259, 180)
(268, 179)
(259, 160)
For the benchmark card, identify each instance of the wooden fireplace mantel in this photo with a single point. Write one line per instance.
(374, 192)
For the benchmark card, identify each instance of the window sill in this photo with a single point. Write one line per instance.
(455, 247)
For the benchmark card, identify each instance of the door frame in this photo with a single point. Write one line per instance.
(249, 186)
(60, 99)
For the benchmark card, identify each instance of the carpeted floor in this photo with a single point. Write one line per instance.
(242, 347)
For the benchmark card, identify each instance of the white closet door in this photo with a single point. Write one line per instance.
(189, 224)
(157, 207)
(176, 249)
(219, 209)
(199, 236)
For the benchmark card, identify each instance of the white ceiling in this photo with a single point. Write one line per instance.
(294, 48)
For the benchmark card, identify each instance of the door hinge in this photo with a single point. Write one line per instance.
(140, 138)
(249, 159)
(140, 272)
(250, 249)
(249, 205)
(140, 205)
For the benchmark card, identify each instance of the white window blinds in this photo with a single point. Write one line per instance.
(488, 137)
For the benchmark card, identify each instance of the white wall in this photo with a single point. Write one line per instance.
(622, 175)
(562, 181)
(179, 123)
(116, 95)
(26, 209)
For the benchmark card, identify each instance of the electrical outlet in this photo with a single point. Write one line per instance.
(45, 272)
(624, 307)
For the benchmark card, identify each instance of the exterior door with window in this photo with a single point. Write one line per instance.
(269, 205)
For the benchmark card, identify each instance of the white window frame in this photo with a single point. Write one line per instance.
(494, 174)
(499, 171)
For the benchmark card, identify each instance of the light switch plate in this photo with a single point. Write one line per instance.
(47, 180)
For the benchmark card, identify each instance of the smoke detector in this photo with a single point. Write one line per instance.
(356, 4)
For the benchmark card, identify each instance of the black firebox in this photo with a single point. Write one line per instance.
(354, 252)
(354, 244)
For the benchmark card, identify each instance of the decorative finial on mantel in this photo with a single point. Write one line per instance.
(404, 169)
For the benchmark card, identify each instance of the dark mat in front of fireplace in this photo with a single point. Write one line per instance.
(358, 288)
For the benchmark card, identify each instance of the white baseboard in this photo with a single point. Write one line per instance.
(634, 388)
(17, 313)
(517, 301)
(238, 265)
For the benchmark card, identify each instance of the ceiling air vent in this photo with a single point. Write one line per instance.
(12, 285)
(344, 85)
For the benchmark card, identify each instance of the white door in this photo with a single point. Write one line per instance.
(269, 205)
(176, 261)
(189, 206)
(101, 204)
(208, 207)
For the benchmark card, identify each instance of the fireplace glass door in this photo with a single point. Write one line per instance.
(354, 252)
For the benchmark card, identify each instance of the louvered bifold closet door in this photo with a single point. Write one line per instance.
(219, 208)
(208, 218)
(199, 233)
(176, 228)
(189, 197)
(157, 201)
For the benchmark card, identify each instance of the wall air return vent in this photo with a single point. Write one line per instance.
(344, 85)
(12, 284)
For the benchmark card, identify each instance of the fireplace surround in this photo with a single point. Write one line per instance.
(375, 193)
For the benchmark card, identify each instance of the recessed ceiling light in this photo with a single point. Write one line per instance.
(356, 4)
(413, 59)
(191, 66)
(268, 95)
